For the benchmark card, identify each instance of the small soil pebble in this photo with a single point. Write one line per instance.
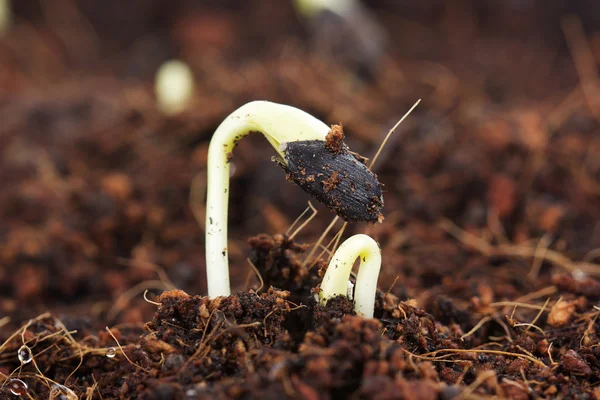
(573, 363)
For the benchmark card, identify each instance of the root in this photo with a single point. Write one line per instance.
(125, 354)
(521, 251)
(319, 241)
(433, 356)
(585, 64)
(383, 143)
(126, 297)
(260, 278)
(304, 224)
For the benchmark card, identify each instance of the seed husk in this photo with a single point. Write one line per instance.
(334, 176)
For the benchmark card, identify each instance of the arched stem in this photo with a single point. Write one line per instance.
(335, 281)
(279, 124)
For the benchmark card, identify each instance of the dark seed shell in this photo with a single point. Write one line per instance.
(337, 180)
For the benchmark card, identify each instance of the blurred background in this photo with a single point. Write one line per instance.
(96, 175)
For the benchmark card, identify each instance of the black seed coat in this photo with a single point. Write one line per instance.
(338, 180)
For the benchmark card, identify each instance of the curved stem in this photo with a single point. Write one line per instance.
(279, 124)
(335, 281)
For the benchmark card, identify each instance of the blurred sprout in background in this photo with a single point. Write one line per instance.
(345, 30)
(5, 16)
(174, 87)
(311, 8)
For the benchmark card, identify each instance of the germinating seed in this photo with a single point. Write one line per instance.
(24, 354)
(339, 179)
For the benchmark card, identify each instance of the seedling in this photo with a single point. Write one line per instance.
(317, 160)
(335, 281)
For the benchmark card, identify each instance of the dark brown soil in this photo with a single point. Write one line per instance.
(489, 286)
(335, 138)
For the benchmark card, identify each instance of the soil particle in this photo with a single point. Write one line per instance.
(561, 313)
(232, 354)
(197, 339)
(450, 392)
(516, 392)
(587, 286)
(334, 140)
(409, 325)
(335, 310)
(172, 294)
(524, 343)
(449, 311)
(330, 183)
(516, 366)
(501, 195)
(118, 186)
(278, 260)
(339, 351)
(573, 363)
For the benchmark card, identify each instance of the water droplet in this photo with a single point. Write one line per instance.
(111, 352)
(24, 354)
(191, 392)
(17, 387)
(62, 392)
(579, 275)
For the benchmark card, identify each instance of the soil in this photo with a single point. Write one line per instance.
(489, 285)
(335, 138)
